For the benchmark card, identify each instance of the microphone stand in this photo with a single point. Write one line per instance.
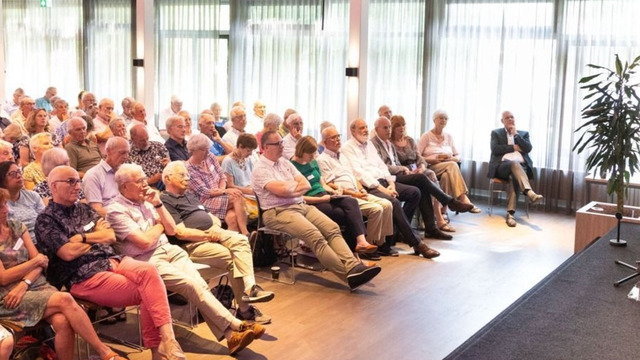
(617, 241)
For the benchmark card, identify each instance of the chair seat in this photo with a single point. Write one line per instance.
(504, 186)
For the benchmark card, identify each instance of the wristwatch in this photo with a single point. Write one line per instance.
(28, 282)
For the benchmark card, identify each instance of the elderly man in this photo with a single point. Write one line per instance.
(295, 125)
(99, 183)
(200, 234)
(88, 104)
(101, 122)
(238, 124)
(151, 155)
(77, 242)
(255, 123)
(221, 122)
(11, 106)
(127, 107)
(6, 151)
(83, 152)
(374, 176)
(45, 101)
(174, 108)
(381, 141)
(176, 144)
(207, 126)
(385, 111)
(19, 117)
(510, 150)
(140, 117)
(283, 130)
(337, 174)
(141, 224)
(279, 187)
(119, 128)
(61, 108)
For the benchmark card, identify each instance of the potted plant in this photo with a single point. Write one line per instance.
(612, 128)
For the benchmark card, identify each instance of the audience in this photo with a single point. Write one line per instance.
(188, 130)
(33, 174)
(19, 117)
(127, 108)
(221, 122)
(139, 114)
(295, 124)
(25, 205)
(118, 127)
(141, 224)
(279, 187)
(283, 130)
(176, 143)
(45, 101)
(255, 122)
(88, 104)
(385, 111)
(219, 147)
(271, 123)
(151, 155)
(11, 106)
(99, 183)
(209, 183)
(238, 167)
(12, 134)
(238, 123)
(6, 151)
(61, 108)
(173, 110)
(83, 152)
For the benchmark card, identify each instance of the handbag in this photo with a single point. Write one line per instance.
(223, 292)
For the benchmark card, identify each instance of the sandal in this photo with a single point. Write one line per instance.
(475, 210)
(446, 227)
(113, 356)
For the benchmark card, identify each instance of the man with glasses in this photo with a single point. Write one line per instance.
(279, 186)
(141, 224)
(101, 123)
(20, 116)
(45, 101)
(99, 184)
(238, 124)
(83, 152)
(151, 155)
(176, 144)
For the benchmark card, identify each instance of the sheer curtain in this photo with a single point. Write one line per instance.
(190, 61)
(291, 54)
(109, 59)
(43, 47)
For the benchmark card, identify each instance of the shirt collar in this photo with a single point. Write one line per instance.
(335, 155)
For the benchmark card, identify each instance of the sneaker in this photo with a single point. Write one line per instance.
(534, 197)
(171, 350)
(361, 275)
(386, 250)
(239, 340)
(258, 330)
(511, 220)
(253, 314)
(257, 294)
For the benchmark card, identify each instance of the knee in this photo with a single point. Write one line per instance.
(60, 324)
(62, 300)
(6, 347)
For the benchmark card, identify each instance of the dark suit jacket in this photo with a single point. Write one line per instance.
(499, 147)
(384, 155)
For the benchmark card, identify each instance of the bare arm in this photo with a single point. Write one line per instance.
(29, 269)
(296, 187)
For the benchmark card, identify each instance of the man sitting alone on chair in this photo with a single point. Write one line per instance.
(510, 157)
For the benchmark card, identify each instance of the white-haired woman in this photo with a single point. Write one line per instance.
(33, 174)
(271, 123)
(209, 183)
(438, 149)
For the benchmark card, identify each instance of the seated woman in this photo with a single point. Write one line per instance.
(50, 159)
(408, 156)
(437, 148)
(33, 174)
(238, 167)
(209, 183)
(188, 127)
(13, 135)
(28, 298)
(344, 210)
(25, 205)
(271, 123)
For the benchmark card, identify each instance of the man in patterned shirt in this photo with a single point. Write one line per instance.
(151, 155)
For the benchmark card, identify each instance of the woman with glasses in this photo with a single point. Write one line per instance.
(27, 298)
(209, 183)
(25, 205)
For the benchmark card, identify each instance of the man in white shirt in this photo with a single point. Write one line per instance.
(101, 122)
(10, 106)
(139, 114)
(510, 158)
(374, 176)
(172, 110)
(19, 117)
(256, 122)
(127, 107)
(295, 125)
(238, 123)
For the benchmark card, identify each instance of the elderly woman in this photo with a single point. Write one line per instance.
(33, 174)
(25, 205)
(238, 167)
(408, 156)
(438, 150)
(28, 298)
(119, 128)
(271, 123)
(189, 131)
(62, 113)
(344, 210)
(209, 183)
(50, 159)
(13, 135)
(6, 151)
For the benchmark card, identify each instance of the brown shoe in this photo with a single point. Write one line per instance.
(458, 206)
(239, 340)
(171, 350)
(258, 330)
(426, 251)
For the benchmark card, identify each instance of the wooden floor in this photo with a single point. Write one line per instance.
(416, 308)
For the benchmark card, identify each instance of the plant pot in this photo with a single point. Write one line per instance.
(596, 219)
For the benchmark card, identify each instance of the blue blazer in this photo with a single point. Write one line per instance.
(499, 147)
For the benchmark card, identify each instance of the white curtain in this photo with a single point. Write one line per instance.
(291, 54)
(109, 57)
(191, 59)
(43, 47)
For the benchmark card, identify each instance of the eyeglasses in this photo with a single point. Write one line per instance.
(279, 143)
(70, 181)
(140, 181)
(334, 137)
(16, 174)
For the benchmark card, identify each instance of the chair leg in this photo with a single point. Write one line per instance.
(490, 197)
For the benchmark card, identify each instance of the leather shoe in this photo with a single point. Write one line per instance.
(437, 234)
(366, 249)
(370, 256)
(426, 251)
(511, 220)
(458, 206)
(386, 250)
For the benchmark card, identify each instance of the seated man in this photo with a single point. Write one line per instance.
(279, 188)
(151, 155)
(6, 151)
(77, 242)
(238, 124)
(374, 176)
(140, 222)
(295, 125)
(83, 152)
(200, 234)
(99, 183)
(207, 126)
(139, 114)
(510, 157)
(177, 142)
(387, 151)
